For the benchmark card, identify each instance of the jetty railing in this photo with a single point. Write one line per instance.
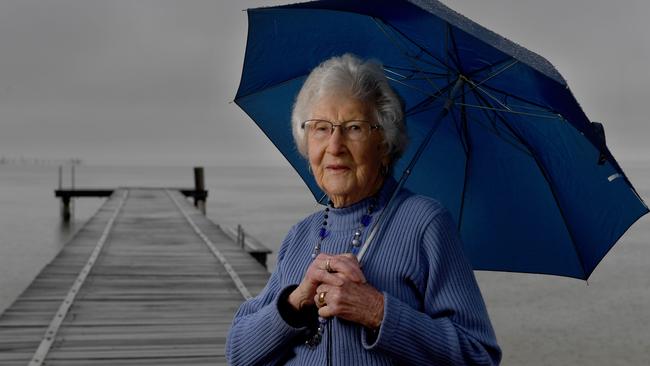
(199, 193)
(247, 242)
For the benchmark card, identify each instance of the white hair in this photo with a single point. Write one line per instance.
(364, 80)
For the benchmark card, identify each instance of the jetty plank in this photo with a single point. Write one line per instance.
(156, 294)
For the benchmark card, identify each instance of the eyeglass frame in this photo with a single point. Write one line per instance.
(375, 126)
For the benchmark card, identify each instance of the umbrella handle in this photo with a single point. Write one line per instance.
(407, 172)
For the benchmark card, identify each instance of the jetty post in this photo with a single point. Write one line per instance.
(66, 201)
(199, 188)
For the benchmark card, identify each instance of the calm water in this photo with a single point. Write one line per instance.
(540, 320)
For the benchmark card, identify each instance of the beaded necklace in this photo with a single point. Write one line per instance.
(355, 245)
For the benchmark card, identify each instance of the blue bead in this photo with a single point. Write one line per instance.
(322, 232)
(365, 220)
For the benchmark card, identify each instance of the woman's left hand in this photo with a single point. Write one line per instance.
(355, 300)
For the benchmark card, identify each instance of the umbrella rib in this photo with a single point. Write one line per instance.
(508, 108)
(456, 125)
(497, 73)
(546, 178)
(455, 57)
(496, 133)
(428, 63)
(408, 57)
(534, 108)
(489, 66)
(443, 66)
(420, 107)
(428, 94)
(424, 78)
(468, 153)
(414, 71)
(541, 107)
(509, 111)
(476, 87)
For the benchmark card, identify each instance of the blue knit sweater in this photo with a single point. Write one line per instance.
(433, 310)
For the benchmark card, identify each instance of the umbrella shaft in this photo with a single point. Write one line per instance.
(436, 123)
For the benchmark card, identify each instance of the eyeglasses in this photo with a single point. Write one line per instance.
(320, 130)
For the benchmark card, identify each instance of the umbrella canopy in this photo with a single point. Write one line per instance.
(526, 175)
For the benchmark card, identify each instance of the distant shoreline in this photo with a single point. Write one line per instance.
(38, 161)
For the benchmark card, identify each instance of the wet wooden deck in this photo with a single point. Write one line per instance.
(147, 281)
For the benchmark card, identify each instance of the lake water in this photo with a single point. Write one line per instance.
(539, 320)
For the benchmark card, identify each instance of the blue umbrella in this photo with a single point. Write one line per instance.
(496, 134)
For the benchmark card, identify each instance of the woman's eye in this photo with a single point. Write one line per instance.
(354, 127)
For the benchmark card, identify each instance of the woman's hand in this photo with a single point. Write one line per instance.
(316, 274)
(347, 293)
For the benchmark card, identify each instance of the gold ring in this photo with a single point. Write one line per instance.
(321, 298)
(327, 266)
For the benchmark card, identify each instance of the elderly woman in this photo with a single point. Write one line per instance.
(414, 299)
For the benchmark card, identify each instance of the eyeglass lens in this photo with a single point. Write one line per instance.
(352, 130)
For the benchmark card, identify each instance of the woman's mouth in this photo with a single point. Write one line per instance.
(337, 168)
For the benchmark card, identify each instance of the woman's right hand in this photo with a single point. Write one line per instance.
(316, 274)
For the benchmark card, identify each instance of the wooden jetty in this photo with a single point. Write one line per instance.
(148, 280)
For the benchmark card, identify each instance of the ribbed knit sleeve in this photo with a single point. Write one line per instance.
(453, 327)
(259, 335)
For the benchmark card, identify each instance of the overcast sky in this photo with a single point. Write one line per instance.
(151, 82)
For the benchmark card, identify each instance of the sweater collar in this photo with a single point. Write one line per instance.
(346, 218)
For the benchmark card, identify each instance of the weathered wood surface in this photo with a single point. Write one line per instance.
(156, 295)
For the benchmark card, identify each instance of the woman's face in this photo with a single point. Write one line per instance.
(348, 171)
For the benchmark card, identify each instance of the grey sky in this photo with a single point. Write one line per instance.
(150, 82)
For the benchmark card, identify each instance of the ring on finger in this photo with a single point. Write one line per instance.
(321, 298)
(328, 268)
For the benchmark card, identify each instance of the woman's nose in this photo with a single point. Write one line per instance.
(336, 142)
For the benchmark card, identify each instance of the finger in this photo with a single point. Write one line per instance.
(323, 262)
(324, 288)
(320, 299)
(362, 304)
(335, 263)
(317, 276)
(348, 267)
(328, 265)
(326, 312)
(329, 303)
(319, 264)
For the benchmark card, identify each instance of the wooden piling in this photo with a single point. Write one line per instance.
(199, 187)
(65, 209)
